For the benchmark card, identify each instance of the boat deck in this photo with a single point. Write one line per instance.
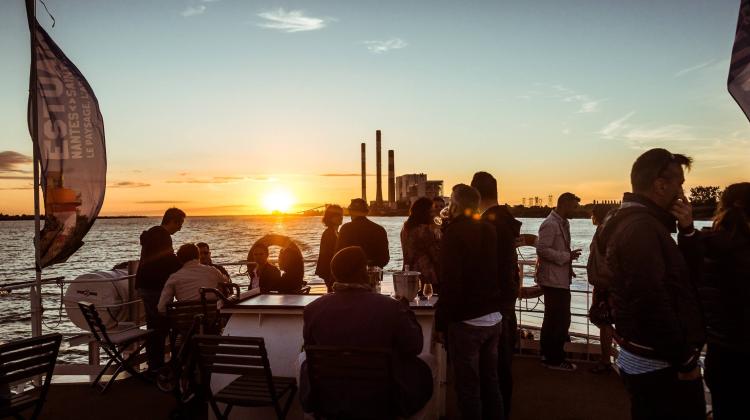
(539, 393)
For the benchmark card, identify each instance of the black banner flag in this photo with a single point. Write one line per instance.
(739, 69)
(68, 133)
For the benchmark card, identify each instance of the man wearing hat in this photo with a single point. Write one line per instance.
(364, 233)
(554, 274)
(354, 316)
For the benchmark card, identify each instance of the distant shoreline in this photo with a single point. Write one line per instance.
(12, 217)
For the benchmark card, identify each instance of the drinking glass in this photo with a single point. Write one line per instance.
(427, 290)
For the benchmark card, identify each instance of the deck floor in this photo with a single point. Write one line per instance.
(539, 393)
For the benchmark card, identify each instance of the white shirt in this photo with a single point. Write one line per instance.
(185, 283)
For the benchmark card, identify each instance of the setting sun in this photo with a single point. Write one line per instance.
(278, 201)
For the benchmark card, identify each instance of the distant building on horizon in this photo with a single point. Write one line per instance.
(410, 187)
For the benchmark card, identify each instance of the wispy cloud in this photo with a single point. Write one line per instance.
(694, 68)
(10, 161)
(383, 46)
(586, 103)
(290, 21)
(195, 10)
(349, 174)
(669, 132)
(213, 180)
(615, 128)
(128, 184)
(161, 202)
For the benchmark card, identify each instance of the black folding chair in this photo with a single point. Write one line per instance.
(351, 383)
(185, 319)
(213, 320)
(245, 356)
(114, 343)
(22, 361)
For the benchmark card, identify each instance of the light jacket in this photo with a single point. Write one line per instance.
(185, 283)
(553, 253)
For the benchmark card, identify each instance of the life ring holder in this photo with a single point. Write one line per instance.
(272, 239)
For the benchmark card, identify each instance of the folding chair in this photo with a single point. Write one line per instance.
(245, 356)
(185, 319)
(22, 361)
(351, 383)
(114, 343)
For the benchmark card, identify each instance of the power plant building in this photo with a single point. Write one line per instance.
(410, 187)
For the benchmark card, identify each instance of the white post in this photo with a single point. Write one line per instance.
(35, 294)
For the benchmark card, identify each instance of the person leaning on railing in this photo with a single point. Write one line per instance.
(724, 290)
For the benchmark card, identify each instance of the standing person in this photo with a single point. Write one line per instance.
(554, 275)
(658, 320)
(724, 291)
(468, 311)
(332, 219)
(157, 263)
(599, 276)
(420, 245)
(205, 258)
(508, 230)
(364, 233)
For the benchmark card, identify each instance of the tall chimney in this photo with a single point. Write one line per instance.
(391, 179)
(378, 171)
(364, 173)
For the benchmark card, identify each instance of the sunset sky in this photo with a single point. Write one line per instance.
(214, 106)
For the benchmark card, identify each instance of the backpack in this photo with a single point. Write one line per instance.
(598, 272)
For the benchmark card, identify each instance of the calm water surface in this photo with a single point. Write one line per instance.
(115, 240)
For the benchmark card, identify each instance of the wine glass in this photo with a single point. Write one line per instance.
(427, 290)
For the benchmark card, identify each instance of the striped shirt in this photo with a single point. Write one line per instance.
(633, 364)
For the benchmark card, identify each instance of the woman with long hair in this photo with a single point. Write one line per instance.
(332, 219)
(419, 242)
(724, 288)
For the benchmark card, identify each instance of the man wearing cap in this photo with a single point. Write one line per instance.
(363, 232)
(658, 319)
(554, 274)
(354, 316)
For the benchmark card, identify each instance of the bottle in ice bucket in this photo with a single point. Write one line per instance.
(375, 274)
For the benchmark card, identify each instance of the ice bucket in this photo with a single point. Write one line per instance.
(406, 284)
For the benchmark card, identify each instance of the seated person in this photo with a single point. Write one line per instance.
(205, 258)
(264, 274)
(293, 266)
(185, 283)
(354, 316)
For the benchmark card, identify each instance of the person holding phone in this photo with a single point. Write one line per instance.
(554, 274)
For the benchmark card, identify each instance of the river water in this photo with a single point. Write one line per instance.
(112, 241)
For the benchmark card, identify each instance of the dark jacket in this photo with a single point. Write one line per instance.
(327, 251)
(369, 235)
(654, 300)
(269, 278)
(221, 269)
(359, 318)
(158, 260)
(508, 230)
(469, 284)
(723, 286)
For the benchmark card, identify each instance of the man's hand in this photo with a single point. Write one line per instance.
(683, 212)
(575, 254)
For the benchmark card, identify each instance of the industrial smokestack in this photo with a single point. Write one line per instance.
(378, 171)
(391, 179)
(364, 173)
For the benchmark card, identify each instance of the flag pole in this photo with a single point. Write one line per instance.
(36, 291)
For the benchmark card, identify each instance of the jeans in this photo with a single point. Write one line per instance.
(726, 371)
(156, 322)
(473, 353)
(661, 395)
(506, 349)
(555, 324)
